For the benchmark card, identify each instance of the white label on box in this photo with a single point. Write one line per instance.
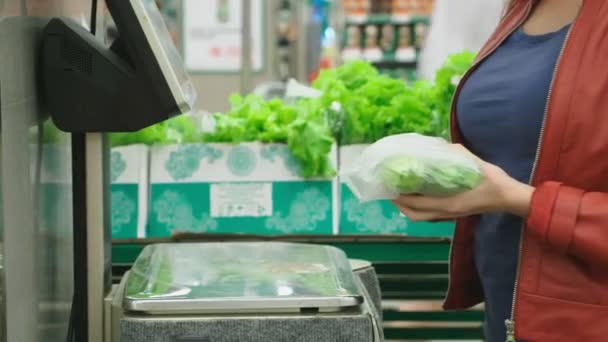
(241, 200)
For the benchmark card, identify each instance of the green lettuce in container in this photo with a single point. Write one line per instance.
(300, 126)
(411, 164)
(179, 129)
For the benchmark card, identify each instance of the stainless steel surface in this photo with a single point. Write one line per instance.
(96, 224)
(242, 306)
(354, 324)
(19, 238)
(35, 182)
(113, 312)
(240, 277)
(358, 265)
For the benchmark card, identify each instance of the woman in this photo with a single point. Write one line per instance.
(534, 110)
(457, 26)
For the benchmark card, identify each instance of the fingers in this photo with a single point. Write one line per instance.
(435, 208)
(424, 203)
(417, 215)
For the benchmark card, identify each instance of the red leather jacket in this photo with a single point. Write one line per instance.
(562, 283)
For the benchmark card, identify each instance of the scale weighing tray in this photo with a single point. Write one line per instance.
(229, 278)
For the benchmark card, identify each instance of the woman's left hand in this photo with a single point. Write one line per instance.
(498, 192)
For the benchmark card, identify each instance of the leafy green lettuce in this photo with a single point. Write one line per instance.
(442, 92)
(410, 175)
(362, 106)
(369, 105)
(179, 129)
(306, 133)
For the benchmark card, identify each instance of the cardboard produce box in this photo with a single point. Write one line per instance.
(378, 217)
(251, 188)
(129, 191)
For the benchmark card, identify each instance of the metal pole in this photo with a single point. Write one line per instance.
(246, 63)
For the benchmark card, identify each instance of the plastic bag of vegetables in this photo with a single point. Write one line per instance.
(410, 164)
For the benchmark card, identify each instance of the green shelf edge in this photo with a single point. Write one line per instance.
(386, 19)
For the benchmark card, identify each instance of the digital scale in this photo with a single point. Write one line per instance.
(272, 292)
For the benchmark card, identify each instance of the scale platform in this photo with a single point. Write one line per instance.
(246, 292)
(240, 278)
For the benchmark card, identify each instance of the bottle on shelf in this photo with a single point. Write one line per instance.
(401, 10)
(352, 50)
(421, 31)
(372, 51)
(387, 42)
(405, 49)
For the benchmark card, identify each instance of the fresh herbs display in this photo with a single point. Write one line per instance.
(372, 105)
(364, 106)
(357, 105)
(253, 119)
(180, 129)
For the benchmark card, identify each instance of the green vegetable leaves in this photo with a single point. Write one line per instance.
(358, 105)
(411, 175)
(299, 126)
(179, 129)
(446, 80)
(373, 106)
(253, 119)
(370, 103)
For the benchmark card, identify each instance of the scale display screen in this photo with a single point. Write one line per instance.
(166, 53)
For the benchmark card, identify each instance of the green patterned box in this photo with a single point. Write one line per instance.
(378, 217)
(129, 191)
(249, 188)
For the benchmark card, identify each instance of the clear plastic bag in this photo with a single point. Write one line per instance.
(410, 164)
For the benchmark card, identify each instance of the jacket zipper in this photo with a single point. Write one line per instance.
(510, 323)
(462, 80)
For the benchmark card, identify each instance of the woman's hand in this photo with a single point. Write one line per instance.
(498, 192)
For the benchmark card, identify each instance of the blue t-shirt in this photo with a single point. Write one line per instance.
(500, 112)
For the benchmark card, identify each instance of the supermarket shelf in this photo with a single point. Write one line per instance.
(389, 63)
(386, 19)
